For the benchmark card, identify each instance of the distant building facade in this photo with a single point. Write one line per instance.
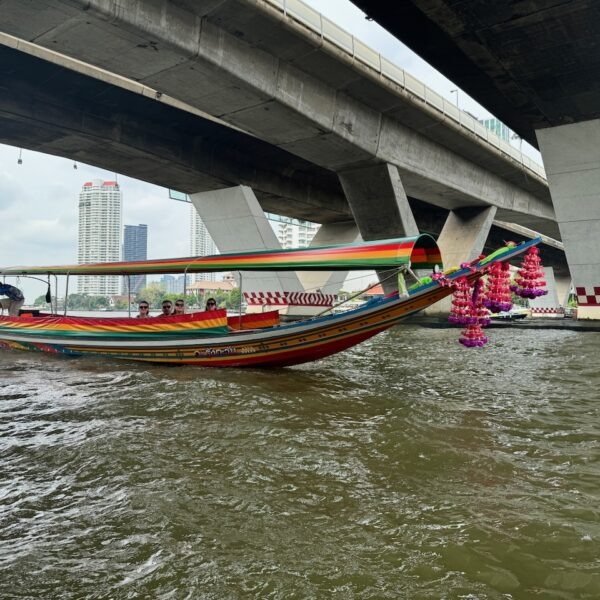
(100, 227)
(497, 127)
(296, 234)
(172, 284)
(135, 247)
(201, 244)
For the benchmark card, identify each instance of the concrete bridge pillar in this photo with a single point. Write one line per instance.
(380, 207)
(464, 234)
(461, 240)
(571, 156)
(549, 305)
(329, 282)
(563, 289)
(237, 223)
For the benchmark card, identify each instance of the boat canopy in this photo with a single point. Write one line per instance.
(419, 252)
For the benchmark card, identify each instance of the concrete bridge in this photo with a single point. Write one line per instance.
(258, 93)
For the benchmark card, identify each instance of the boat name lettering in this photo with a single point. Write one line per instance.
(226, 351)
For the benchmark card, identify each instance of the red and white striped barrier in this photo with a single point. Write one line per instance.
(548, 312)
(289, 299)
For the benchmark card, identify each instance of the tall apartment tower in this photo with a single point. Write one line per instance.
(201, 244)
(296, 235)
(135, 247)
(100, 226)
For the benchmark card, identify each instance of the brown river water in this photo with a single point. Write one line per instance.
(408, 467)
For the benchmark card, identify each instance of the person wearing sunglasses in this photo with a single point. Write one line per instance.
(144, 310)
(179, 307)
(211, 304)
(167, 309)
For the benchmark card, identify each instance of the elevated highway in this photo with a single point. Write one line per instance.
(268, 72)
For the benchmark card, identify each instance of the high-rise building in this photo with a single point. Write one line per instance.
(296, 235)
(135, 247)
(173, 285)
(497, 127)
(100, 225)
(201, 244)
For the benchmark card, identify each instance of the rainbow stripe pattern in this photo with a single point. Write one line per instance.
(182, 326)
(420, 252)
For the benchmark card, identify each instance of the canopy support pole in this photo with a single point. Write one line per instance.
(55, 309)
(240, 302)
(66, 297)
(129, 296)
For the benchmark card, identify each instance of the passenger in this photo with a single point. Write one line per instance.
(144, 309)
(211, 304)
(14, 301)
(179, 307)
(167, 309)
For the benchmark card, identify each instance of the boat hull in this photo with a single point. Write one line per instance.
(272, 347)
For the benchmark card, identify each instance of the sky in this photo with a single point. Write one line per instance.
(39, 198)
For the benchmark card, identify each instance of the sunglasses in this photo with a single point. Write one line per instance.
(144, 307)
(178, 303)
(211, 304)
(167, 306)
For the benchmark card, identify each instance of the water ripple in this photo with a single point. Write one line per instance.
(406, 467)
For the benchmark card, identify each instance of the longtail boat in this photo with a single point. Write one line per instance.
(211, 339)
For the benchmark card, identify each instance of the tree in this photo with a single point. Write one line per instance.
(233, 298)
(40, 301)
(153, 293)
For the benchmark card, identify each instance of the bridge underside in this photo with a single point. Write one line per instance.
(532, 64)
(85, 119)
(51, 109)
(253, 67)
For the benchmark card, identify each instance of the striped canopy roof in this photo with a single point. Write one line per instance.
(420, 252)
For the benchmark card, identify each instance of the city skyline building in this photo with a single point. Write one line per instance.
(135, 247)
(295, 234)
(172, 284)
(100, 231)
(201, 244)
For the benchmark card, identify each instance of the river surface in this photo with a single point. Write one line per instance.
(408, 467)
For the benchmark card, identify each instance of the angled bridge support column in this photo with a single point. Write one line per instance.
(237, 223)
(380, 207)
(461, 240)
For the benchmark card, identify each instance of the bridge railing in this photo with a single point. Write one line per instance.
(328, 30)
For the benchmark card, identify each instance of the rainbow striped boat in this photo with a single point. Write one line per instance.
(211, 339)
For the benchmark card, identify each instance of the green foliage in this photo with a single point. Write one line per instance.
(120, 304)
(153, 293)
(232, 299)
(87, 302)
(40, 301)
